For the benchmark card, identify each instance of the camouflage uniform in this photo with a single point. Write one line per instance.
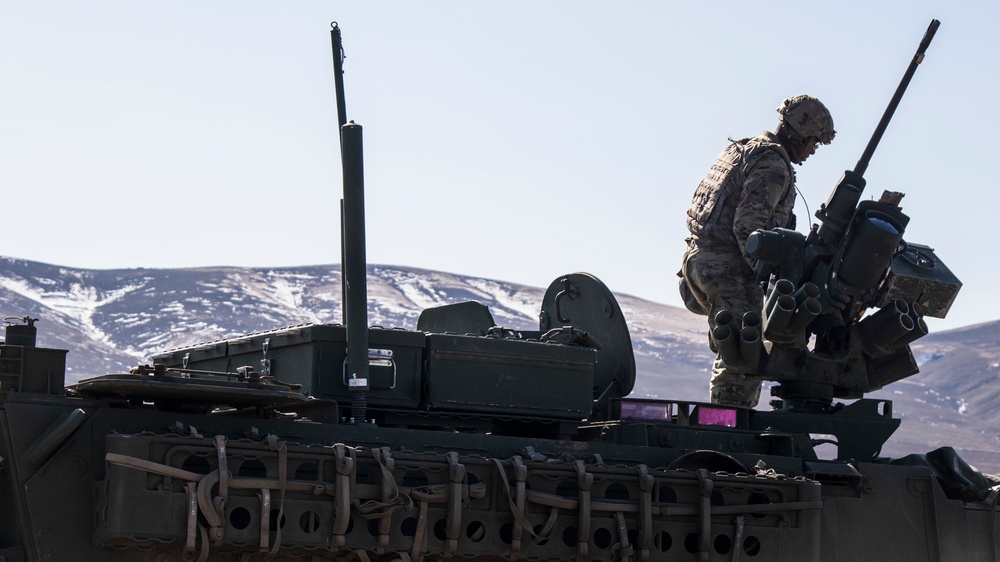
(750, 186)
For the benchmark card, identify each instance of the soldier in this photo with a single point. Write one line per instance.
(750, 186)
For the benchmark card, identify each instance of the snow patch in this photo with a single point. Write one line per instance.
(928, 357)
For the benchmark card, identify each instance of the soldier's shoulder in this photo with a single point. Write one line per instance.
(766, 147)
(766, 139)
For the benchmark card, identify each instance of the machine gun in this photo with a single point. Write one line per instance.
(812, 335)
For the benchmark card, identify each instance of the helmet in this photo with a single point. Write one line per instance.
(807, 117)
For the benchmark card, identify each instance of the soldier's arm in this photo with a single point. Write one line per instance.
(766, 183)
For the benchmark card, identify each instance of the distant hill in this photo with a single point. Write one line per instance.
(955, 398)
(111, 320)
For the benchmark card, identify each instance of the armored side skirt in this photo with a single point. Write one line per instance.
(206, 495)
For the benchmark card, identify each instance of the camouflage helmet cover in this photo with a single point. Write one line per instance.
(808, 117)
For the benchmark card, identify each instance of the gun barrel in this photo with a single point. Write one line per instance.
(918, 57)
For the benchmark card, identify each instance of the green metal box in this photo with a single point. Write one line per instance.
(32, 369)
(209, 356)
(314, 356)
(485, 374)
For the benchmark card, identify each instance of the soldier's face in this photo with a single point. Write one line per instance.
(806, 149)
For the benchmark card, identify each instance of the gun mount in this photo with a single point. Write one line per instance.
(818, 293)
(463, 440)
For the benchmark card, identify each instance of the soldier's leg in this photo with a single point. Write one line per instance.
(733, 389)
(719, 276)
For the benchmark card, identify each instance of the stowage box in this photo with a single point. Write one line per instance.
(314, 356)
(484, 374)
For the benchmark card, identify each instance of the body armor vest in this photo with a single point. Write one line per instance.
(713, 207)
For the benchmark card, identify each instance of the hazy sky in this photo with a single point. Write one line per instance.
(515, 140)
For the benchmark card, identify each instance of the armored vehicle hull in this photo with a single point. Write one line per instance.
(123, 470)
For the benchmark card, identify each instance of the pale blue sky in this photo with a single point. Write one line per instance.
(510, 140)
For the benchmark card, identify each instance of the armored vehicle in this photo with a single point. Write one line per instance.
(465, 440)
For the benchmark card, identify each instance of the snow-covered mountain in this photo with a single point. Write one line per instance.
(111, 320)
